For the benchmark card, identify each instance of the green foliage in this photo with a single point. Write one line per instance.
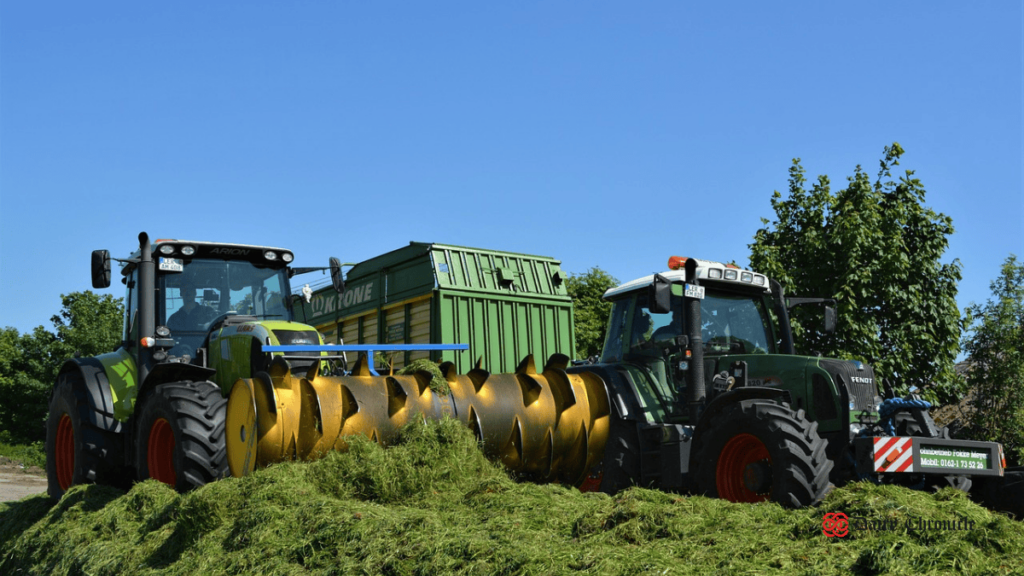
(87, 324)
(995, 349)
(33, 454)
(877, 250)
(432, 504)
(589, 310)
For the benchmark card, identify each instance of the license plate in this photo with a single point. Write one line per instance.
(171, 265)
(694, 291)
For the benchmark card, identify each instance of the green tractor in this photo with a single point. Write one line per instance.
(708, 395)
(197, 315)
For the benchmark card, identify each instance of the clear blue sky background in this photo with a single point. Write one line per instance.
(609, 134)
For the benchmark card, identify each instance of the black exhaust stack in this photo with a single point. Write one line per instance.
(147, 305)
(696, 394)
(782, 311)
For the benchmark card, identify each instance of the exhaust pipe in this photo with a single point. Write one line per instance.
(147, 306)
(696, 394)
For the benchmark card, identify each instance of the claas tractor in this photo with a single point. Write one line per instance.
(708, 395)
(214, 378)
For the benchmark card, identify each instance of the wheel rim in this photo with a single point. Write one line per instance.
(743, 473)
(160, 452)
(64, 452)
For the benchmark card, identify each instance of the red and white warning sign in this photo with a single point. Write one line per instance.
(894, 454)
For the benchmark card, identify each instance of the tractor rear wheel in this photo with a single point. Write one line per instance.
(180, 435)
(756, 450)
(77, 452)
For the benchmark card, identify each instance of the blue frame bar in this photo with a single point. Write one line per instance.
(368, 348)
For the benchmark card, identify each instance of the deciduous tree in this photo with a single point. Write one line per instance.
(590, 311)
(87, 324)
(995, 348)
(877, 249)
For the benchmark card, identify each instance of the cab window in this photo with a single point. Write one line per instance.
(733, 324)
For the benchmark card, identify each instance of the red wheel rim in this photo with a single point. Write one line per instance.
(740, 455)
(160, 452)
(64, 452)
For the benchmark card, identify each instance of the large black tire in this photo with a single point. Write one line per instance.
(180, 435)
(757, 450)
(906, 425)
(78, 452)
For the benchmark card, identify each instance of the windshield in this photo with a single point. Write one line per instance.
(730, 324)
(734, 324)
(190, 300)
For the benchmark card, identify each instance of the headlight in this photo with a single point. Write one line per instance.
(287, 257)
(188, 250)
(730, 274)
(759, 280)
(714, 273)
(270, 255)
(746, 277)
(166, 249)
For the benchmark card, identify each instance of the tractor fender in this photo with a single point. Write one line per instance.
(98, 392)
(173, 372)
(736, 395)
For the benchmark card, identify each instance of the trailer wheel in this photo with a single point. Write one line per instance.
(78, 452)
(755, 451)
(180, 435)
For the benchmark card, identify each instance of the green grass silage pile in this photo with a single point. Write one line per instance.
(431, 504)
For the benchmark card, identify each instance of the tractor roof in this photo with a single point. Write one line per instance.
(173, 248)
(707, 271)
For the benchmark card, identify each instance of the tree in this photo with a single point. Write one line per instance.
(87, 324)
(590, 311)
(996, 362)
(877, 250)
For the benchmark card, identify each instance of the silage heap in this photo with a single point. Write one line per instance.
(432, 504)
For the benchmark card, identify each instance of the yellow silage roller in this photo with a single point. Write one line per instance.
(548, 426)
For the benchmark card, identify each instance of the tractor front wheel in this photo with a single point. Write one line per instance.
(757, 450)
(180, 435)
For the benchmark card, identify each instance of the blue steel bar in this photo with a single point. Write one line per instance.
(368, 348)
(362, 347)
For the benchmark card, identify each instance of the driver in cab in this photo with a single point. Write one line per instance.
(192, 315)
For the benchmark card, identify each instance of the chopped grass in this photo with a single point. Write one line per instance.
(437, 381)
(432, 504)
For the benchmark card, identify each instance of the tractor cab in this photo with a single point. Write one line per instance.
(735, 320)
(199, 285)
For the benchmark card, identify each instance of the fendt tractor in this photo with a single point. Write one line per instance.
(698, 389)
(709, 395)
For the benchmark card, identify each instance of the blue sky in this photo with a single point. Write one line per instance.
(609, 134)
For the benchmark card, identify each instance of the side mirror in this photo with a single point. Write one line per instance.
(830, 320)
(100, 269)
(660, 300)
(337, 279)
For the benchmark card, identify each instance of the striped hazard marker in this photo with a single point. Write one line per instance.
(894, 455)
